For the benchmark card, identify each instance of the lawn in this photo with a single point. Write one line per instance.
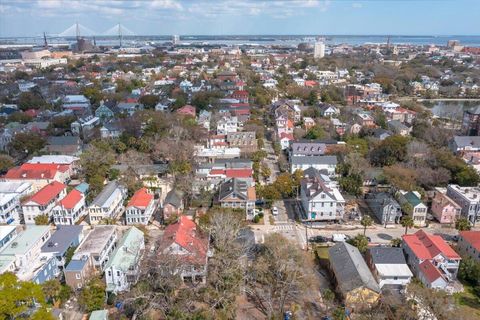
(468, 301)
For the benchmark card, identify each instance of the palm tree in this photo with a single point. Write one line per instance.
(366, 222)
(407, 222)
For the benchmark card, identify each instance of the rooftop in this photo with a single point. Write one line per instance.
(427, 246)
(62, 239)
(95, 241)
(26, 240)
(128, 250)
(141, 199)
(472, 237)
(47, 193)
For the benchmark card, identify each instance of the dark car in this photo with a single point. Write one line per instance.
(318, 239)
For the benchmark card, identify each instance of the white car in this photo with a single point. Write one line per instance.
(275, 211)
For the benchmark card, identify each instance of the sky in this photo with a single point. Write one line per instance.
(242, 17)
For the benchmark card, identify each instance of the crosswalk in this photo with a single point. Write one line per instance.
(283, 227)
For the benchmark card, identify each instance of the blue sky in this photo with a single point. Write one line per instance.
(205, 17)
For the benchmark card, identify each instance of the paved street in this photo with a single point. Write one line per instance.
(271, 161)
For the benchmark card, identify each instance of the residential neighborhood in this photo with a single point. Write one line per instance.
(239, 177)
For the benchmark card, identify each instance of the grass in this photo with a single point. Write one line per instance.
(468, 301)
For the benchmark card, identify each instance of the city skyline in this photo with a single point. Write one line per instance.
(245, 17)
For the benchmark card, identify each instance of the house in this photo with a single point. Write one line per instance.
(39, 174)
(10, 195)
(66, 145)
(122, 269)
(183, 241)
(99, 315)
(381, 134)
(327, 163)
(104, 112)
(77, 103)
(241, 95)
(418, 210)
(289, 108)
(471, 122)
(469, 244)
(321, 200)
(98, 246)
(365, 120)
(389, 267)
(108, 204)
(129, 107)
(354, 281)
(246, 141)
(173, 204)
(78, 272)
(307, 148)
(308, 123)
(43, 201)
(63, 239)
(398, 128)
(227, 125)
(462, 144)
(7, 234)
(468, 198)
(238, 193)
(23, 256)
(431, 259)
(285, 139)
(385, 208)
(70, 209)
(140, 208)
(187, 110)
(444, 209)
(204, 118)
(328, 110)
(112, 129)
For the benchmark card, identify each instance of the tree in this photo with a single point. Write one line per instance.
(462, 224)
(407, 222)
(52, 289)
(389, 151)
(93, 94)
(366, 222)
(149, 101)
(30, 100)
(42, 220)
(6, 162)
(25, 144)
(352, 184)
(317, 132)
(265, 170)
(396, 242)
(277, 276)
(92, 297)
(360, 241)
(18, 296)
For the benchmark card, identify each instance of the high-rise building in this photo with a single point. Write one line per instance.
(175, 39)
(319, 50)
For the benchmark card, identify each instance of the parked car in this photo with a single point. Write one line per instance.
(340, 237)
(274, 211)
(318, 239)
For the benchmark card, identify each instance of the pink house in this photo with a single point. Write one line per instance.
(444, 209)
(187, 110)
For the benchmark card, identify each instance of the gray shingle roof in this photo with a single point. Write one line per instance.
(351, 271)
(387, 255)
(315, 160)
(174, 197)
(62, 238)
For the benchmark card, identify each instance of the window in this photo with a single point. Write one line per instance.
(78, 276)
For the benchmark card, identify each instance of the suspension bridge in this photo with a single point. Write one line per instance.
(79, 30)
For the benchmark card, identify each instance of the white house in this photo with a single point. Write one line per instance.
(42, 202)
(389, 267)
(327, 163)
(108, 204)
(10, 194)
(321, 199)
(122, 269)
(140, 208)
(70, 209)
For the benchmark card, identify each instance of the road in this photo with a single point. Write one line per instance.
(271, 161)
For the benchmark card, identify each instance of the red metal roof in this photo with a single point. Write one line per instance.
(47, 193)
(289, 136)
(36, 171)
(185, 234)
(427, 246)
(430, 272)
(233, 173)
(71, 199)
(141, 199)
(472, 237)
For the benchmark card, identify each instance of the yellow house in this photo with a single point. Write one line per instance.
(354, 280)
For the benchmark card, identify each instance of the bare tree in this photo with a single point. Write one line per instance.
(278, 275)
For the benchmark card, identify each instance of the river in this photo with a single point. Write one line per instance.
(450, 109)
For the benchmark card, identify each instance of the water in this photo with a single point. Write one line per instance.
(285, 40)
(451, 109)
